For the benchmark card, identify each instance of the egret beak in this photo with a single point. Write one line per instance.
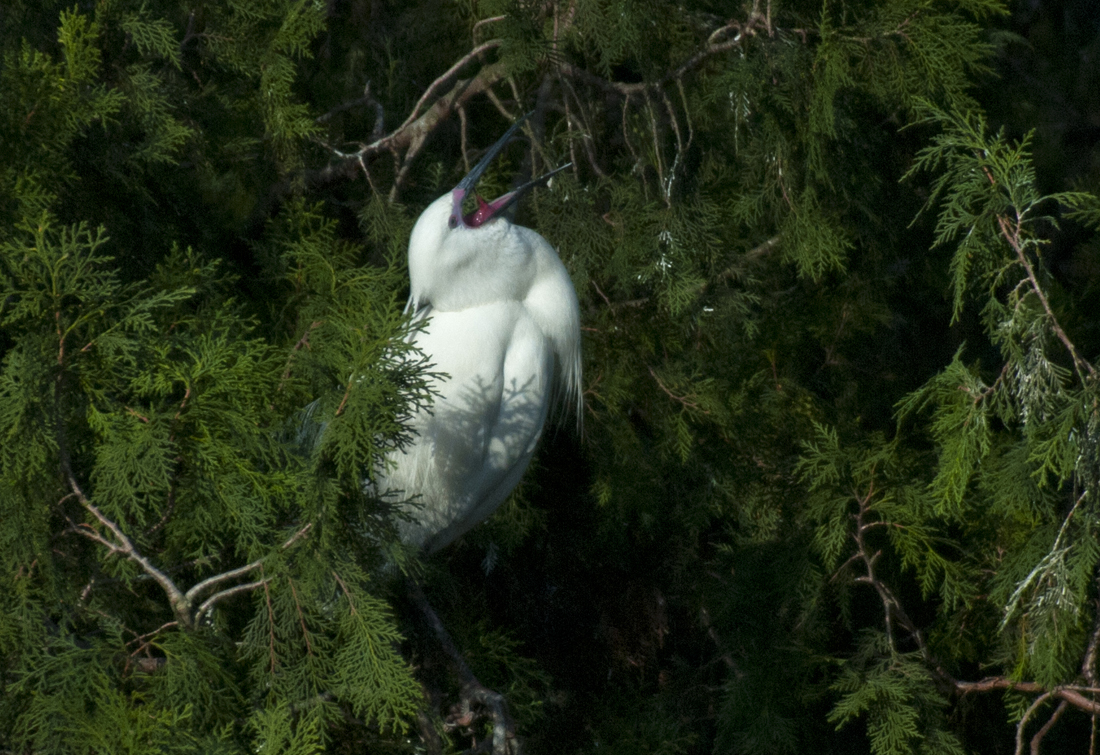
(486, 211)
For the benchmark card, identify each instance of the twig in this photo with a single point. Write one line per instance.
(240, 571)
(140, 416)
(583, 128)
(183, 403)
(208, 604)
(143, 638)
(1027, 716)
(462, 129)
(1088, 666)
(504, 740)
(303, 342)
(681, 399)
(484, 21)
(1012, 236)
(167, 513)
(680, 148)
(367, 99)
(347, 592)
(892, 607)
(1072, 694)
(123, 546)
(657, 149)
(621, 88)
(450, 72)
(301, 617)
(412, 134)
(415, 134)
(492, 96)
(180, 602)
(1038, 738)
(271, 624)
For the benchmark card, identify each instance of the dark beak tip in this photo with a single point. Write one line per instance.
(486, 211)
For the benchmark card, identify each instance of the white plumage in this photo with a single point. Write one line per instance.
(505, 328)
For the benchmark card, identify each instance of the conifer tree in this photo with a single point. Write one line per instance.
(836, 487)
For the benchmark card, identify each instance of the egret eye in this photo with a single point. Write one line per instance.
(452, 222)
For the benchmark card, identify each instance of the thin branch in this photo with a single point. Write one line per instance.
(271, 623)
(447, 75)
(1088, 666)
(492, 96)
(347, 592)
(183, 404)
(484, 22)
(1026, 717)
(415, 134)
(303, 342)
(366, 99)
(1038, 738)
(142, 638)
(167, 513)
(208, 604)
(621, 88)
(680, 147)
(473, 691)
(462, 138)
(1012, 236)
(217, 579)
(681, 399)
(994, 385)
(657, 149)
(840, 569)
(301, 617)
(892, 608)
(123, 546)
(1072, 694)
(583, 128)
(412, 134)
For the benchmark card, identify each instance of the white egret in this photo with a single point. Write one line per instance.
(503, 324)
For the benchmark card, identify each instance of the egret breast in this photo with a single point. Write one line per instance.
(475, 441)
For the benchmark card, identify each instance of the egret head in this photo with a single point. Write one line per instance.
(457, 259)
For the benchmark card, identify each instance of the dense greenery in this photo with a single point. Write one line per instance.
(838, 483)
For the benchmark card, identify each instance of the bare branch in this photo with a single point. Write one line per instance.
(180, 602)
(366, 99)
(582, 127)
(143, 638)
(1072, 694)
(1038, 738)
(1088, 666)
(413, 133)
(123, 546)
(716, 43)
(208, 604)
(684, 400)
(167, 512)
(217, 579)
(484, 22)
(1023, 721)
(473, 691)
(450, 72)
(492, 96)
(463, 127)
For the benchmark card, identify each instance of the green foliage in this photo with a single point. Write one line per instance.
(159, 408)
(839, 457)
(898, 695)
